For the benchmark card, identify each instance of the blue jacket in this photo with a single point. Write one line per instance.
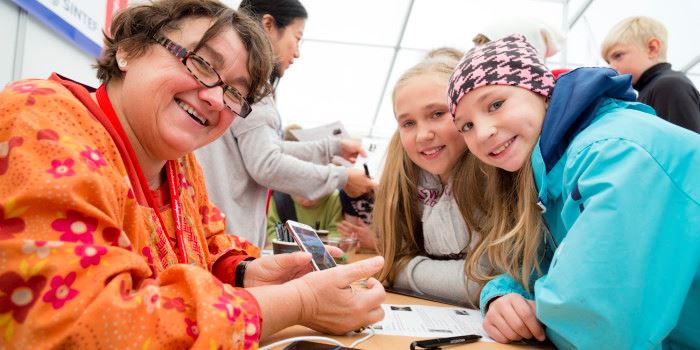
(621, 190)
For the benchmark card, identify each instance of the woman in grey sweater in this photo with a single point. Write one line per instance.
(252, 152)
(422, 235)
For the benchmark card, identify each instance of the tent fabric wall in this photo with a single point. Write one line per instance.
(354, 51)
(343, 72)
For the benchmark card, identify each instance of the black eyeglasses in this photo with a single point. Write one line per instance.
(207, 76)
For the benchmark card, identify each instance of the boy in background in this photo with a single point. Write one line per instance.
(637, 46)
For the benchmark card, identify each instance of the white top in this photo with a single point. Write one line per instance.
(444, 233)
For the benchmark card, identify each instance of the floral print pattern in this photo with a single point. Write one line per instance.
(93, 158)
(78, 242)
(61, 291)
(61, 168)
(9, 225)
(40, 248)
(151, 299)
(5, 148)
(116, 237)
(47, 134)
(19, 294)
(90, 254)
(192, 328)
(174, 303)
(31, 90)
(226, 305)
(76, 227)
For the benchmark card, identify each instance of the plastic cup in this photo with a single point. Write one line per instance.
(279, 247)
(347, 245)
(323, 235)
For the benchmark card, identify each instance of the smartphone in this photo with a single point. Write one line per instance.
(308, 345)
(308, 241)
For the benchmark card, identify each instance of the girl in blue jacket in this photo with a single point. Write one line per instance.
(591, 207)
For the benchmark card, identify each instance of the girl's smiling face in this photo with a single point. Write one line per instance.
(427, 133)
(501, 124)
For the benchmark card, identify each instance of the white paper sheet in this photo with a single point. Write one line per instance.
(429, 321)
(334, 129)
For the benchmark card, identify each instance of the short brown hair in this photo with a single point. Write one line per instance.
(132, 30)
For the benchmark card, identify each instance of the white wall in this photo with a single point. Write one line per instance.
(357, 71)
(33, 50)
(8, 26)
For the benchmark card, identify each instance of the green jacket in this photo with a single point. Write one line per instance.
(327, 212)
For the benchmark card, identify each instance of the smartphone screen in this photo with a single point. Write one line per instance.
(307, 345)
(308, 241)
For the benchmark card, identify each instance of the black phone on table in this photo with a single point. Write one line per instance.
(308, 345)
(308, 241)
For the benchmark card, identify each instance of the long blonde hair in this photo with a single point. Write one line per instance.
(396, 216)
(502, 206)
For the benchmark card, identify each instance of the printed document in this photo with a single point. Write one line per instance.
(334, 129)
(430, 321)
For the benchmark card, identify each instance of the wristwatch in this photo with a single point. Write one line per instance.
(240, 272)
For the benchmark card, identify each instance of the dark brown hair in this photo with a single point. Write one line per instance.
(132, 31)
(284, 12)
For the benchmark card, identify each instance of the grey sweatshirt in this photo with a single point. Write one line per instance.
(251, 157)
(444, 233)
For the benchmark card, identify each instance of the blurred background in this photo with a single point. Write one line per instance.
(352, 51)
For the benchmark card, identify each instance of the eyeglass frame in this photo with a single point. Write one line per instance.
(184, 54)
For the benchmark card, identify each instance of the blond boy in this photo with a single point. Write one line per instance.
(637, 46)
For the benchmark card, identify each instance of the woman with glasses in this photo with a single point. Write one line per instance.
(107, 238)
(252, 150)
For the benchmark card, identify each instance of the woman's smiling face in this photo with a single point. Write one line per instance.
(501, 124)
(166, 108)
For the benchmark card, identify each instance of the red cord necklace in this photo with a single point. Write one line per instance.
(173, 184)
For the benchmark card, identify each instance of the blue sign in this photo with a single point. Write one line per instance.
(79, 21)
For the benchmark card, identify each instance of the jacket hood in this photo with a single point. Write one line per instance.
(576, 97)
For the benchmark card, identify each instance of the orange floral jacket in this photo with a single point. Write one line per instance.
(84, 261)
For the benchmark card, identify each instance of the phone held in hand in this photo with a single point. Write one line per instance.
(308, 345)
(308, 241)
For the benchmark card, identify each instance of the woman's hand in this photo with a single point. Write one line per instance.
(280, 268)
(351, 149)
(512, 317)
(330, 304)
(358, 183)
(276, 269)
(353, 226)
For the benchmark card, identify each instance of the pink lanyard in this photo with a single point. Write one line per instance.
(173, 185)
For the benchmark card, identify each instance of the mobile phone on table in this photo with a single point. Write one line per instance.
(308, 241)
(308, 345)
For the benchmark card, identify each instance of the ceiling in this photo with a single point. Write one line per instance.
(353, 51)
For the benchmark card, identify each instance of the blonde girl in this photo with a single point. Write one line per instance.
(421, 232)
(593, 204)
